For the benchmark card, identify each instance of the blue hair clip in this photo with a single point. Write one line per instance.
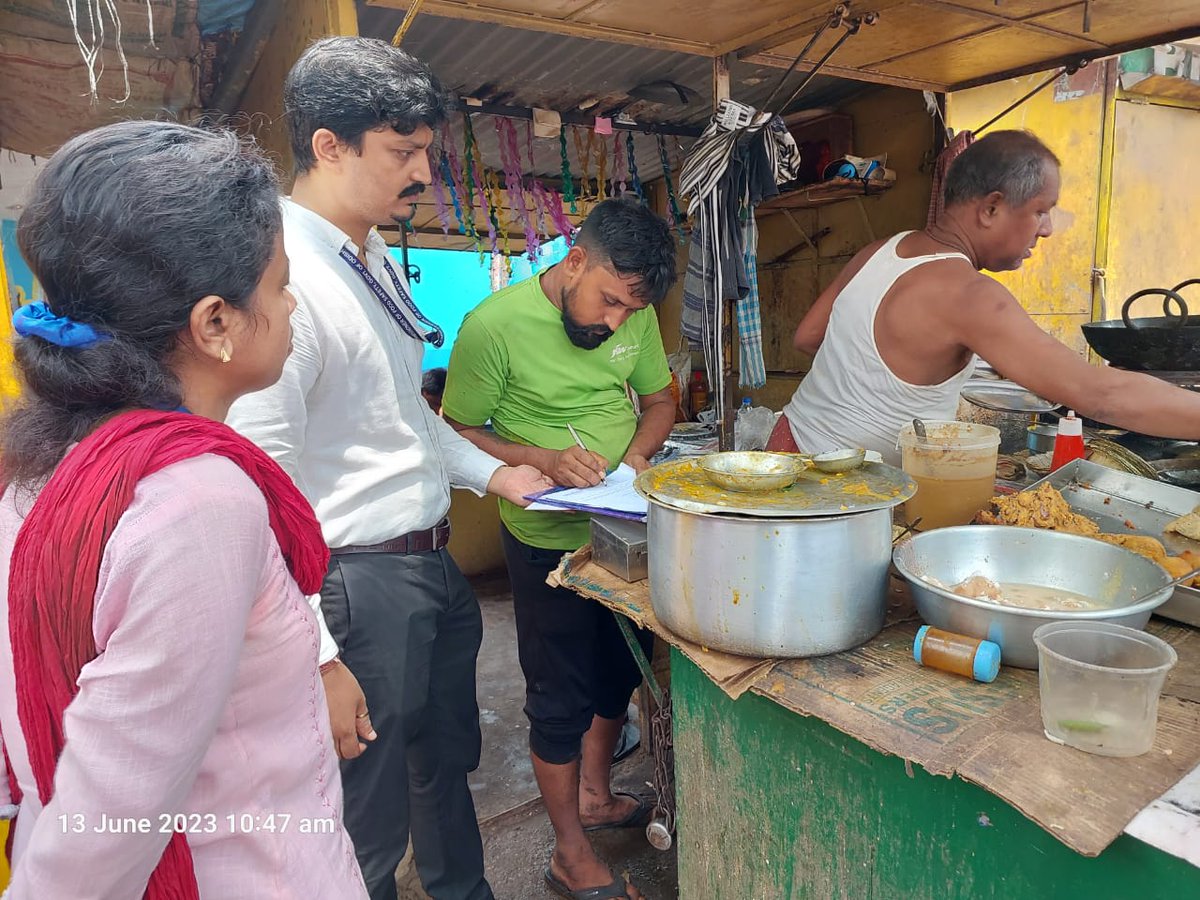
(36, 320)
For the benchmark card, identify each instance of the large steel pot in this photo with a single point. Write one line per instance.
(770, 587)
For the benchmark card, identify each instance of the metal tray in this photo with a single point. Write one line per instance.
(1004, 396)
(1111, 498)
(682, 484)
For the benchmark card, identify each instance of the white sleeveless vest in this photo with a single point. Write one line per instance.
(851, 398)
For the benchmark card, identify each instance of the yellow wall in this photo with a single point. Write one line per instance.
(1055, 286)
(1155, 192)
(262, 104)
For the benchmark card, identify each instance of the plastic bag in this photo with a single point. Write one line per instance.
(680, 364)
(752, 428)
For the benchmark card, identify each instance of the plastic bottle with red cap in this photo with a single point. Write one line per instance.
(1068, 443)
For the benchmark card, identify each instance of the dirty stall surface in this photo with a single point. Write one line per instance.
(517, 837)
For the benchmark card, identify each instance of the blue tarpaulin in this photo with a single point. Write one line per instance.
(221, 15)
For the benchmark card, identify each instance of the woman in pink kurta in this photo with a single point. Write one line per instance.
(200, 709)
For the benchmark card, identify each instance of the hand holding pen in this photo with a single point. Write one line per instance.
(577, 466)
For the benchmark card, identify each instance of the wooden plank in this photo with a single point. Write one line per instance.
(803, 23)
(1020, 24)
(1183, 33)
(866, 74)
(720, 79)
(833, 191)
(1164, 87)
(775, 36)
(1023, 36)
(497, 16)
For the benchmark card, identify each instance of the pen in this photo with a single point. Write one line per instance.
(582, 446)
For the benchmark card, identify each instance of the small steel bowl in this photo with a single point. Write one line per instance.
(837, 461)
(752, 470)
(1040, 438)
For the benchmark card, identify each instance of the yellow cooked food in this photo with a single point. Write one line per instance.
(1045, 507)
(1188, 526)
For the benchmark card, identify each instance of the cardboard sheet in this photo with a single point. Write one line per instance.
(989, 734)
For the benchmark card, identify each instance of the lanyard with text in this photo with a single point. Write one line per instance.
(435, 336)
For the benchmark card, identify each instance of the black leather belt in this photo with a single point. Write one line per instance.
(434, 538)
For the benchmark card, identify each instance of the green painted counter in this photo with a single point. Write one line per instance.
(774, 805)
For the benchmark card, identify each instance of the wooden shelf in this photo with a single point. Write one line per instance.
(826, 192)
(1160, 87)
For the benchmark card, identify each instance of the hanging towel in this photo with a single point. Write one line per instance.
(954, 149)
(725, 176)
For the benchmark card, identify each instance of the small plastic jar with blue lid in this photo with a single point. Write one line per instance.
(957, 653)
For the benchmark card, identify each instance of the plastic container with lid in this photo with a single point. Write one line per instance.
(954, 467)
(1068, 443)
(1100, 685)
(957, 653)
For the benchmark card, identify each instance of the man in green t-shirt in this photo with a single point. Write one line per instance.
(556, 350)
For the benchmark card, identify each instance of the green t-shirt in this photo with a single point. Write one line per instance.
(514, 364)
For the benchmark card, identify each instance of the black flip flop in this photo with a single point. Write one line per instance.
(638, 818)
(615, 891)
(628, 742)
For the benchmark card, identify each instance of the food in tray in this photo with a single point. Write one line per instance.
(1188, 526)
(1022, 596)
(1045, 507)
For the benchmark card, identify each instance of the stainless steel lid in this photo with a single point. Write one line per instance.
(682, 484)
(1004, 396)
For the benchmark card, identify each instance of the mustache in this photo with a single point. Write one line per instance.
(414, 190)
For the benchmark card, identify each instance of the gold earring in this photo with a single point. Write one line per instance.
(225, 357)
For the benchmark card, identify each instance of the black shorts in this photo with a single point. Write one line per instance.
(574, 658)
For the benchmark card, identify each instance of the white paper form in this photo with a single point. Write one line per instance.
(614, 498)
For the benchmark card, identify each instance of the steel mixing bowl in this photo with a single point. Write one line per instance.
(837, 461)
(1104, 572)
(752, 470)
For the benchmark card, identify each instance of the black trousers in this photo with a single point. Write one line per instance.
(574, 658)
(409, 627)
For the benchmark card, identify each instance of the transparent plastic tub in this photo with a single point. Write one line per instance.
(1100, 685)
(954, 467)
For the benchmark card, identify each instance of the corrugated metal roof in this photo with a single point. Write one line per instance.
(516, 67)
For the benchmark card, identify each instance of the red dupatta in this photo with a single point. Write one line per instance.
(56, 566)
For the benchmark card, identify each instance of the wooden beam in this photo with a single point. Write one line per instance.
(991, 28)
(573, 15)
(1189, 32)
(473, 12)
(773, 35)
(864, 74)
(791, 28)
(1022, 24)
(575, 118)
(721, 88)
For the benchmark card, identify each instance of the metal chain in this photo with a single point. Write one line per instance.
(662, 748)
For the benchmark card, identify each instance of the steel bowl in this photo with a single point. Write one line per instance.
(836, 462)
(1105, 572)
(752, 470)
(1040, 438)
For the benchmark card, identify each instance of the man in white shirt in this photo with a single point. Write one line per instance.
(348, 423)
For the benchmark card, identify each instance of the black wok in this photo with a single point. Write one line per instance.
(1167, 343)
